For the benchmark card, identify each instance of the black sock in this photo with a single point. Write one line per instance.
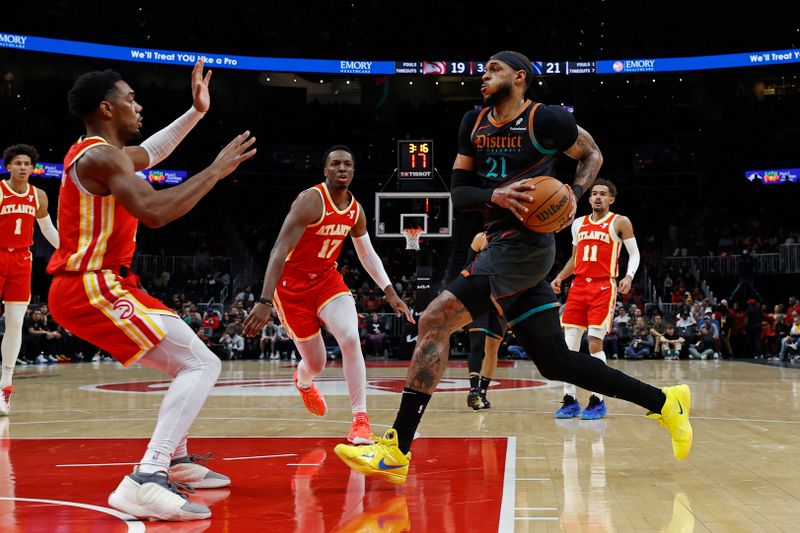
(412, 406)
(485, 385)
(473, 381)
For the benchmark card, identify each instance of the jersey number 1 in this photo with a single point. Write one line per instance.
(590, 253)
(328, 247)
(18, 227)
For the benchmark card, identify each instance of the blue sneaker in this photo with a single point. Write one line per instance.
(570, 408)
(595, 410)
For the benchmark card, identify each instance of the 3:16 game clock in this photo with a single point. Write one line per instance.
(414, 159)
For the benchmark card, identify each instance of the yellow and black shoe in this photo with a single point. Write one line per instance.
(382, 459)
(674, 416)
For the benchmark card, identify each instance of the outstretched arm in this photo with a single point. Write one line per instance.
(307, 209)
(108, 169)
(374, 266)
(158, 146)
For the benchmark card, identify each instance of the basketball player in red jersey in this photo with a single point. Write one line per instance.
(308, 291)
(94, 295)
(20, 204)
(596, 241)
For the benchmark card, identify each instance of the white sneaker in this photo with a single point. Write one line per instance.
(152, 496)
(188, 470)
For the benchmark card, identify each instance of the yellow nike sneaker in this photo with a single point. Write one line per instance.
(675, 417)
(382, 459)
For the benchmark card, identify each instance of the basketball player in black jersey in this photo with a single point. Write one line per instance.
(511, 139)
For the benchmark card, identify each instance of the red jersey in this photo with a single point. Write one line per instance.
(598, 246)
(320, 245)
(17, 213)
(96, 232)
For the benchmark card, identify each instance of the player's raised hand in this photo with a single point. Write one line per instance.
(511, 197)
(236, 152)
(256, 319)
(202, 98)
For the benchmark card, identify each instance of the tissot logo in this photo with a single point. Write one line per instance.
(284, 386)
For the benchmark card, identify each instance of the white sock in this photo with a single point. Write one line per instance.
(572, 336)
(12, 341)
(194, 369)
(602, 356)
(182, 449)
(341, 318)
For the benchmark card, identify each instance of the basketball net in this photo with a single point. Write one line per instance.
(412, 238)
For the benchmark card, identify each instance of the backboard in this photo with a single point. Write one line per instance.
(431, 211)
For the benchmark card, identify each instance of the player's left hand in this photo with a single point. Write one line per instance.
(256, 319)
(400, 308)
(625, 285)
(202, 99)
(568, 222)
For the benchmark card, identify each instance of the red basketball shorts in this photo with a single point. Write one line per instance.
(590, 304)
(15, 276)
(299, 300)
(109, 311)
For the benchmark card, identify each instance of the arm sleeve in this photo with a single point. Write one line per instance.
(159, 145)
(465, 190)
(633, 256)
(555, 127)
(372, 263)
(49, 230)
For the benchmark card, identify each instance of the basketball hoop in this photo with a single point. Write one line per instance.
(412, 238)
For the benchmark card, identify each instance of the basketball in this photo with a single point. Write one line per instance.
(551, 206)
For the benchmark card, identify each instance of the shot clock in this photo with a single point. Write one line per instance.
(414, 159)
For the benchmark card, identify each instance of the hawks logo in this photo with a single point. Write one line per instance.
(123, 309)
(284, 386)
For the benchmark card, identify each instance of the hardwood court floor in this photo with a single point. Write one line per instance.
(616, 474)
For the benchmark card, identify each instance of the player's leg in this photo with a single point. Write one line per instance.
(596, 408)
(491, 347)
(312, 363)
(477, 336)
(600, 314)
(540, 334)
(389, 457)
(148, 492)
(10, 347)
(574, 320)
(341, 319)
(570, 407)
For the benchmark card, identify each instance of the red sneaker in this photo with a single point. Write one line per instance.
(5, 400)
(312, 399)
(360, 432)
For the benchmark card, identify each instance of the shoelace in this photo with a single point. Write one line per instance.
(197, 458)
(176, 487)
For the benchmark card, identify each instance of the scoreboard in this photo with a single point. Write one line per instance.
(477, 68)
(414, 159)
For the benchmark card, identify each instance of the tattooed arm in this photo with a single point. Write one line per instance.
(589, 158)
(444, 316)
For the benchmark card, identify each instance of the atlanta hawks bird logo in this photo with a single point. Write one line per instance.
(123, 309)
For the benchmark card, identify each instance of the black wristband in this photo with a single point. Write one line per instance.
(265, 301)
(578, 190)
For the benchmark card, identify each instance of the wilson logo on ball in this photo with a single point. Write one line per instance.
(553, 209)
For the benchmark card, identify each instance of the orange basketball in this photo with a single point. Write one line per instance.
(551, 206)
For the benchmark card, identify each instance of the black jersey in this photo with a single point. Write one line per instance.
(524, 146)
